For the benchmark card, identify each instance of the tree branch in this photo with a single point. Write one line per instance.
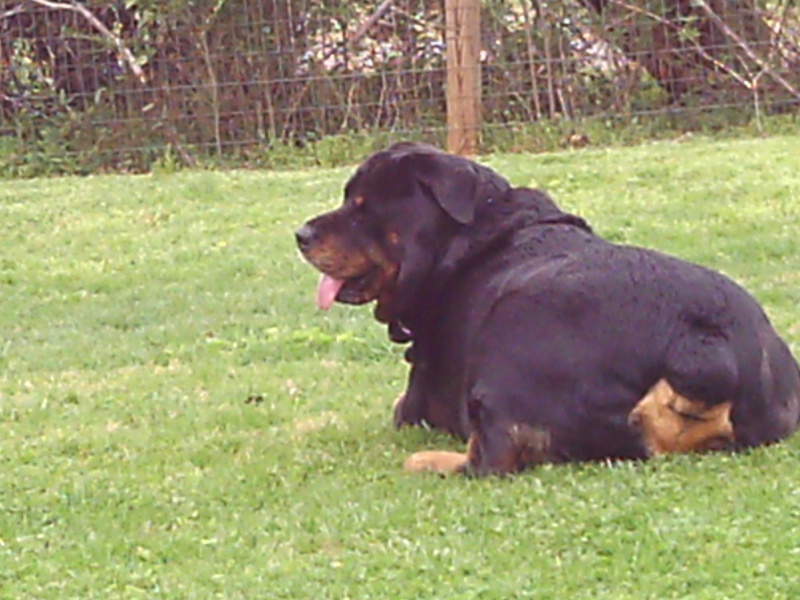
(123, 50)
(718, 64)
(10, 13)
(367, 25)
(747, 50)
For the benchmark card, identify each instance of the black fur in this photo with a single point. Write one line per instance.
(518, 310)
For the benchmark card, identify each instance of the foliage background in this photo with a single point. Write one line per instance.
(129, 84)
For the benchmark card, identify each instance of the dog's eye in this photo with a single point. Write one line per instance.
(359, 202)
(358, 207)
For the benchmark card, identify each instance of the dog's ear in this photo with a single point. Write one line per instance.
(458, 185)
(452, 184)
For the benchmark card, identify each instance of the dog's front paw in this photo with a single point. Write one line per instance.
(401, 416)
(434, 461)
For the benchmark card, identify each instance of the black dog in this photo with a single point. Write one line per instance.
(536, 339)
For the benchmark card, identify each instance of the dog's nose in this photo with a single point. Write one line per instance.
(305, 236)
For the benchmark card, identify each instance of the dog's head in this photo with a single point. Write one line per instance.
(401, 208)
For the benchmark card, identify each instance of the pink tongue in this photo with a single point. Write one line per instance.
(327, 289)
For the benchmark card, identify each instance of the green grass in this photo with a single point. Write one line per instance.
(178, 421)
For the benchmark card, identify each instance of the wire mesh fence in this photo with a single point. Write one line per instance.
(118, 85)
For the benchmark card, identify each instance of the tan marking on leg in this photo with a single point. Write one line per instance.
(670, 423)
(436, 461)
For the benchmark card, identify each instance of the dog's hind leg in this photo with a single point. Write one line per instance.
(702, 365)
(670, 423)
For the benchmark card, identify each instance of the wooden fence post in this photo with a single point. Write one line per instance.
(463, 35)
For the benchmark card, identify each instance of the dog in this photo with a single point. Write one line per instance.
(533, 338)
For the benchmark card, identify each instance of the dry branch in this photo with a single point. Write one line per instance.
(751, 83)
(746, 48)
(123, 50)
(363, 30)
(368, 24)
(12, 12)
(667, 23)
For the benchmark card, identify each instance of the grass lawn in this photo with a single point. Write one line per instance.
(178, 421)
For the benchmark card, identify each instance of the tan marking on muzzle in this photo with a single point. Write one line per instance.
(339, 259)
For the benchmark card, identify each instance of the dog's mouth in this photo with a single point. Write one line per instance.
(354, 290)
(354, 271)
(376, 282)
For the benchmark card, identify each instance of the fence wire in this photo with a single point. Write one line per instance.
(102, 85)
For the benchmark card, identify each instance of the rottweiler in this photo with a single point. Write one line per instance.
(533, 338)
